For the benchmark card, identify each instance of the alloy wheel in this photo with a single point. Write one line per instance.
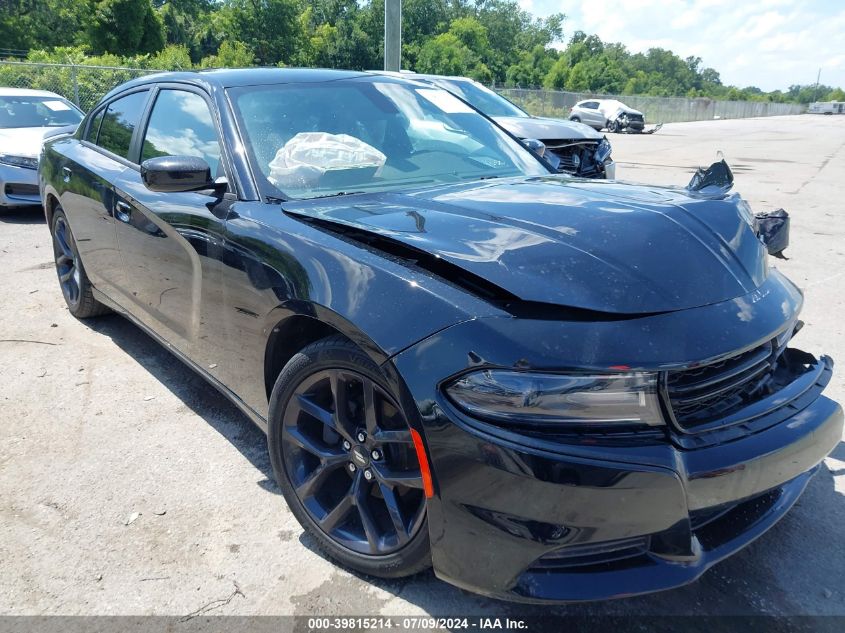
(67, 261)
(350, 458)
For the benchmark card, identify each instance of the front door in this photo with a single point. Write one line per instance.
(171, 242)
(94, 164)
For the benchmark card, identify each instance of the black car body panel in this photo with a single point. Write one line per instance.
(547, 240)
(546, 129)
(531, 274)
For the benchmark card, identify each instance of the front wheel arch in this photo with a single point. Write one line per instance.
(51, 202)
(296, 324)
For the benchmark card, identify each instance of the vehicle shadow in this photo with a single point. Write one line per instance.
(794, 569)
(200, 397)
(22, 215)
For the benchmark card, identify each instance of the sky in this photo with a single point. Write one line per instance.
(770, 44)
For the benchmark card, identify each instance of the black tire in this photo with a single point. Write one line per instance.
(305, 421)
(577, 119)
(612, 126)
(76, 287)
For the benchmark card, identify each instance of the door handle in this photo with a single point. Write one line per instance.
(66, 174)
(122, 211)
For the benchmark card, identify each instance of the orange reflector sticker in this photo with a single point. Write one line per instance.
(422, 458)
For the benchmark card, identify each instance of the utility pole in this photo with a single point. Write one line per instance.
(392, 35)
(816, 89)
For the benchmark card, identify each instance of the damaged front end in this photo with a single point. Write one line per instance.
(584, 158)
(630, 121)
(772, 227)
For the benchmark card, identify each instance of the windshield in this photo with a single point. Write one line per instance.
(24, 111)
(320, 139)
(481, 98)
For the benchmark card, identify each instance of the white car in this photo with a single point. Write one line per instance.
(26, 116)
(607, 113)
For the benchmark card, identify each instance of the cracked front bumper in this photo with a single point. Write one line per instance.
(572, 518)
(527, 525)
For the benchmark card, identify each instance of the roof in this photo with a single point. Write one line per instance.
(233, 77)
(26, 92)
(410, 74)
(217, 78)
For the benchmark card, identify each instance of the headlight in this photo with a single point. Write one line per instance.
(27, 162)
(603, 151)
(556, 399)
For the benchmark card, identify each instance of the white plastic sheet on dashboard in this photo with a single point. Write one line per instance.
(303, 160)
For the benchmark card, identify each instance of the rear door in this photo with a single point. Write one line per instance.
(592, 115)
(89, 170)
(171, 243)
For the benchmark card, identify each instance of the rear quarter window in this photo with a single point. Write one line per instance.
(94, 127)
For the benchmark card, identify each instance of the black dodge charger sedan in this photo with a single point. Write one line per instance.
(546, 388)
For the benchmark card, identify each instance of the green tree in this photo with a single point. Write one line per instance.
(271, 28)
(184, 22)
(462, 50)
(531, 69)
(835, 95)
(125, 27)
(231, 54)
(445, 55)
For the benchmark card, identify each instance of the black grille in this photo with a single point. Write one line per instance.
(575, 158)
(592, 554)
(635, 117)
(705, 394)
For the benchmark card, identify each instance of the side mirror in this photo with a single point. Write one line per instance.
(538, 147)
(168, 174)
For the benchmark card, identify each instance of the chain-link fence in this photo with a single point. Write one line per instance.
(84, 85)
(553, 103)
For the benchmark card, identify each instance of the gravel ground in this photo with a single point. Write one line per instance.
(127, 486)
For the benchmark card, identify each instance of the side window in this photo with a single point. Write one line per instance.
(592, 105)
(119, 123)
(94, 127)
(181, 125)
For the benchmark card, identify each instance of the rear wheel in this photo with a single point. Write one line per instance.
(343, 455)
(76, 288)
(577, 119)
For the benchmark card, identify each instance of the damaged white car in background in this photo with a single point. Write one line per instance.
(611, 114)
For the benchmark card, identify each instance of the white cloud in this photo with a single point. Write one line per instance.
(766, 43)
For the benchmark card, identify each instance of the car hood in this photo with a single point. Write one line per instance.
(596, 245)
(614, 111)
(546, 129)
(23, 141)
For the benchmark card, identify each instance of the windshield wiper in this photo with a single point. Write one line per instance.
(339, 193)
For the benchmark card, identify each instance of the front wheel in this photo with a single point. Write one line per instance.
(76, 287)
(612, 126)
(343, 455)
